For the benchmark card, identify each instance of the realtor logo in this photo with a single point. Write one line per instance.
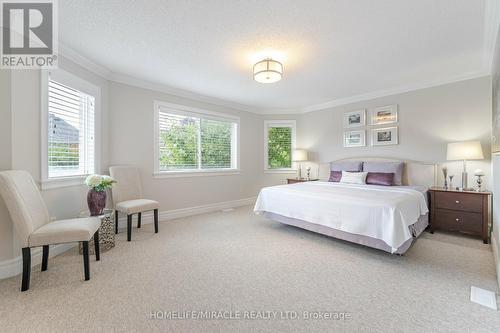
(29, 34)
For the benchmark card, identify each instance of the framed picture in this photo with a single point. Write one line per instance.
(354, 139)
(384, 115)
(355, 118)
(384, 136)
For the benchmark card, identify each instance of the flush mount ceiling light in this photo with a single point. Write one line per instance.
(268, 71)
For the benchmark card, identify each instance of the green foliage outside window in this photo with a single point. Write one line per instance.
(63, 155)
(179, 145)
(279, 147)
(215, 144)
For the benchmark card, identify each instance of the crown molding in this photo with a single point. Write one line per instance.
(74, 56)
(139, 83)
(392, 91)
(491, 25)
(71, 54)
(490, 34)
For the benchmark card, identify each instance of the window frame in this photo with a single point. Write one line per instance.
(86, 87)
(199, 113)
(279, 123)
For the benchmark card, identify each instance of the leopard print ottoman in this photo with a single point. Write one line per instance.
(106, 233)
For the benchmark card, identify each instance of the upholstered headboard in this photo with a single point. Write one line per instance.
(414, 173)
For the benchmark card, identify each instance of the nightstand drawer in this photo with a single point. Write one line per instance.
(457, 201)
(457, 220)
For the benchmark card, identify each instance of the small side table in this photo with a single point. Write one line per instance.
(464, 211)
(295, 180)
(106, 232)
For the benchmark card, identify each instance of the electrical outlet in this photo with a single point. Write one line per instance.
(53, 218)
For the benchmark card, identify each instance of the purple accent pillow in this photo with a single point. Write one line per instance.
(351, 166)
(380, 178)
(335, 176)
(386, 167)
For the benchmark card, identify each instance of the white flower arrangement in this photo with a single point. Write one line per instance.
(99, 182)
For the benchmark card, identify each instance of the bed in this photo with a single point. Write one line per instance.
(388, 218)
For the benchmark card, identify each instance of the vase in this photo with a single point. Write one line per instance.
(96, 200)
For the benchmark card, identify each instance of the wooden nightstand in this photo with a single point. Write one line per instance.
(464, 211)
(295, 180)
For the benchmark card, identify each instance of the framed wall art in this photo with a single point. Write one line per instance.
(354, 139)
(384, 115)
(385, 136)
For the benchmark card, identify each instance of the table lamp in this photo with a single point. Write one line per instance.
(463, 151)
(300, 155)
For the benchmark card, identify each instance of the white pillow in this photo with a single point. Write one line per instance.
(353, 177)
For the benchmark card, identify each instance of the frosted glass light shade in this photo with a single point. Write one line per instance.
(466, 150)
(300, 155)
(267, 71)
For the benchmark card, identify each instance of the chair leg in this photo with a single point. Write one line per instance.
(156, 220)
(129, 227)
(116, 221)
(86, 260)
(45, 257)
(139, 215)
(96, 246)
(26, 268)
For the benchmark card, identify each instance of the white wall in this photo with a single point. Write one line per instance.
(495, 237)
(428, 120)
(6, 231)
(24, 132)
(131, 142)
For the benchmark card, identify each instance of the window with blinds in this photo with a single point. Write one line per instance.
(279, 144)
(70, 147)
(195, 142)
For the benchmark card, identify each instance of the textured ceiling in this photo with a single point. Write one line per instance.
(331, 50)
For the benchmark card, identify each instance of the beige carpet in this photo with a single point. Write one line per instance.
(236, 261)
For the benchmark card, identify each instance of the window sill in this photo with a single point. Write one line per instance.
(53, 183)
(191, 173)
(289, 171)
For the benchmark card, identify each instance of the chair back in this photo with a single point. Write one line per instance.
(128, 183)
(24, 202)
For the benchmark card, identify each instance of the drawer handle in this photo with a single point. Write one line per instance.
(458, 220)
(457, 202)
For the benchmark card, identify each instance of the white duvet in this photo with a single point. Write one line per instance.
(381, 212)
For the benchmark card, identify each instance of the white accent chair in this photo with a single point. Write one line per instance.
(128, 199)
(31, 221)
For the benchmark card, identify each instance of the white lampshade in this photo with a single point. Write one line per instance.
(466, 150)
(299, 155)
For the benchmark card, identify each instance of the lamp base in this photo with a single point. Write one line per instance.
(465, 186)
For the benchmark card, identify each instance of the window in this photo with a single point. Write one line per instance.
(279, 143)
(194, 141)
(68, 127)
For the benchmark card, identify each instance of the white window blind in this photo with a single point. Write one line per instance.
(279, 144)
(70, 147)
(196, 142)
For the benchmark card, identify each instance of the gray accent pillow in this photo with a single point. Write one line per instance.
(386, 167)
(351, 166)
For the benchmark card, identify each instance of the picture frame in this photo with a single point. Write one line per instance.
(384, 115)
(354, 139)
(385, 136)
(355, 118)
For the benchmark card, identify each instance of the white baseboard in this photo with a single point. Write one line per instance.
(14, 266)
(496, 256)
(147, 218)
